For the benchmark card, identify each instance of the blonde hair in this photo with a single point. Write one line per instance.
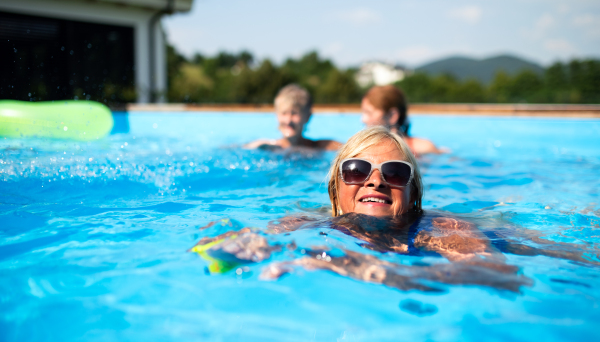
(362, 141)
(297, 96)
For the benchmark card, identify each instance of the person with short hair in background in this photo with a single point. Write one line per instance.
(293, 107)
(386, 106)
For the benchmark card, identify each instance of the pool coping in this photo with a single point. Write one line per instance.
(535, 110)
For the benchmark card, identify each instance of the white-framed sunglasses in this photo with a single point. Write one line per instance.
(396, 173)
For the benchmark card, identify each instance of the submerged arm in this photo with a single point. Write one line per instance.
(457, 240)
(369, 268)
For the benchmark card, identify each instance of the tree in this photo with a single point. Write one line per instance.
(190, 84)
(237, 78)
(339, 87)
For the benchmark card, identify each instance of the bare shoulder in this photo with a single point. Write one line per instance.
(329, 145)
(424, 146)
(260, 143)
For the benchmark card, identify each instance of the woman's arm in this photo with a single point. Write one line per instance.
(263, 143)
(457, 240)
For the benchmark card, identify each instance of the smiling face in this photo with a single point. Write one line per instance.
(291, 119)
(375, 197)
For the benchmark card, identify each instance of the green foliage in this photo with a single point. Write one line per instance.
(339, 87)
(190, 82)
(260, 85)
(237, 78)
(575, 82)
(234, 78)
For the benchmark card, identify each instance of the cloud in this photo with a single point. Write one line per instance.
(468, 14)
(545, 22)
(563, 8)
(589, 23)
(585, 20)
(360, 16)
(560, 46)
(541, 26)
(333, 48)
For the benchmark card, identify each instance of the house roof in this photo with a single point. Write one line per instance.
(177, 5)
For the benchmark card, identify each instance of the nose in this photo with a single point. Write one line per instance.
(286, 119)
(364, 119)
(375, 181)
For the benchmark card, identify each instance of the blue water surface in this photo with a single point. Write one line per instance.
(94, 235)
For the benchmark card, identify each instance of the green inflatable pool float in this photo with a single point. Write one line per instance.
(215, 265)
(73, 120)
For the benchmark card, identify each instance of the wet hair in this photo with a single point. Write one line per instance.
(387, 97)
(296, 96)
(362, 141)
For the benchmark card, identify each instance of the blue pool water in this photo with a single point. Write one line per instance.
(94, 236)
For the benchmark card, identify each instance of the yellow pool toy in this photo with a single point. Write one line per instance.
(73, 120)
(214, 265)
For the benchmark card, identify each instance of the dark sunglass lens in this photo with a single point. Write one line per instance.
(396, 173)
(355, 171)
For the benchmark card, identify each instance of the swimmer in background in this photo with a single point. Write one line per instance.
(386, 106)
(293, 107)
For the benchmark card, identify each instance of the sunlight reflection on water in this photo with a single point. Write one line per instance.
(94, 235)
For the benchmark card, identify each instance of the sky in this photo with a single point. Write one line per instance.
(406, 32)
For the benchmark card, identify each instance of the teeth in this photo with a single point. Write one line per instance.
(373, 199)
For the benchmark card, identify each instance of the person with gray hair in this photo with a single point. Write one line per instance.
(293, 107)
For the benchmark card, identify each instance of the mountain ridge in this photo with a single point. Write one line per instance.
(483, 70)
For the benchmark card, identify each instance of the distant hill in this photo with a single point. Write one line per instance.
(483, 70)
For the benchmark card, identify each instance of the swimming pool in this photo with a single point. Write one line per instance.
(94, 235)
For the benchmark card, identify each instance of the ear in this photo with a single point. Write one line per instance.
(392, 116)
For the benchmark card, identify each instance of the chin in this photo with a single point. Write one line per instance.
(378, 213)
(374, 209)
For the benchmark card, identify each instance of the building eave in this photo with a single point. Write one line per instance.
(153, 5)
